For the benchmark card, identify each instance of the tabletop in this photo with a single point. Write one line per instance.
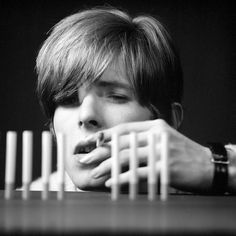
(95, 212)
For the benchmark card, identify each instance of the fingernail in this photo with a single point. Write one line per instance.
(86, 159)
(108, 183)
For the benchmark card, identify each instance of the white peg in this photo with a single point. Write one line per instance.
(164, 166)
(27, 152)
(152, 176)
(133, 165)
(46, 162)
(11, 144)
(115, 171)
(61, 152)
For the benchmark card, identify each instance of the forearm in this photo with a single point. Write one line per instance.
(231, 151)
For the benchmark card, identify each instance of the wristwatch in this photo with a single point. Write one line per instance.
(221, 162)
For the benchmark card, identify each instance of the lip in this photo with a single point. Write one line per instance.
(86, 148)
(78, 157)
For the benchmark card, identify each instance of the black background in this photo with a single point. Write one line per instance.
(204, 32)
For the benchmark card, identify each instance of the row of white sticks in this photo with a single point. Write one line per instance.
(27, 155)
(153, 165)
(27, 158)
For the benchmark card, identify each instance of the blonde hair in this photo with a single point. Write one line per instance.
(81, 46)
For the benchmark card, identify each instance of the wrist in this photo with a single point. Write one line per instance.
(219, 158)
(231, 152)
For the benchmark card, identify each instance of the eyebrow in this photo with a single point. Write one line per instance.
(113, 84)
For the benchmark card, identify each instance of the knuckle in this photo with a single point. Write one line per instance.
(123, 155)
(104, 166)
(118, 129)
(161, 126)
(121, 128)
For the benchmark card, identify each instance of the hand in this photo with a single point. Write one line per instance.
(190, 167)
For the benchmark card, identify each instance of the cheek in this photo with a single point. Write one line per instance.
(64, 120)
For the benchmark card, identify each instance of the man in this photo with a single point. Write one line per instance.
(101, 71)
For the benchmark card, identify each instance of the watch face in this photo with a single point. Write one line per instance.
(218, 157)
(219, 153)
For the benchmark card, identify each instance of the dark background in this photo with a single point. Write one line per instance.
(204, 32)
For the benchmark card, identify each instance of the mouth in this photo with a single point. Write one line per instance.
(84, 149)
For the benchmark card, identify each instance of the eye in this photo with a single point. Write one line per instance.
(118, 98)
(71, 101)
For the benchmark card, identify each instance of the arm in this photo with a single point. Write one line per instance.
(231, 152)
(190, 163)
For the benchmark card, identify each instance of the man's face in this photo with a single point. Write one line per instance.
(106, 103)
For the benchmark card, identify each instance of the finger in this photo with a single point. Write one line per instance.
(91, 140)
(141, 128)
(97, 155)
(124, 177)
(105, 167)
(126, 128)
(103, 152)
(124, 141)
(142, 173)
(123, 129)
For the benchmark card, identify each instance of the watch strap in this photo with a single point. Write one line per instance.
(220, 160)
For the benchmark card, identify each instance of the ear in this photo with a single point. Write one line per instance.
(177, 114)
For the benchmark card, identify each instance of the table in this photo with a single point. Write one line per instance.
(95, 213)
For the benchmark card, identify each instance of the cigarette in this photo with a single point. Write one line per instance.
(100, 139)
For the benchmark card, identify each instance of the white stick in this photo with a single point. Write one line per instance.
(46, 162)
(11, 144)
(164, 166)
(152, 176)
(115, 167)
(27, 152)
(133, 165)
(100, 140)
(61, 152)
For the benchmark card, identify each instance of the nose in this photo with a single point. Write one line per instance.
(90, 113)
